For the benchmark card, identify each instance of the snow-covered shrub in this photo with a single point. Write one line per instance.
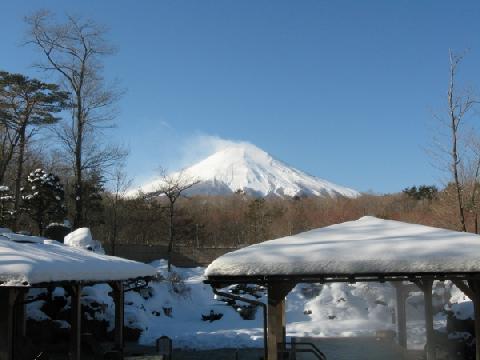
(309, 291)
(212, 316)
(57, 231)
(256, 291)
(145, 292)
(247, 312)
(177, 285)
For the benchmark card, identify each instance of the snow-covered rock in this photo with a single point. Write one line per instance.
(247, 168)
(82, 238)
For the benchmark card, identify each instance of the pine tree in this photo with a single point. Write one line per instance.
(94, 211)
(43, 198)
(6, 206)
(25, 106)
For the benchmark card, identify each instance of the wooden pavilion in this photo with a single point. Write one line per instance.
(366, 250)
(28, 262)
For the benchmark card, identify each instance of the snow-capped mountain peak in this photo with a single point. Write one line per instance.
(248, 168)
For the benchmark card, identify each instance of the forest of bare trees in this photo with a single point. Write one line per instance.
(238, 220)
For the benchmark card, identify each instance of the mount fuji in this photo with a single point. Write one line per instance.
(245, 167)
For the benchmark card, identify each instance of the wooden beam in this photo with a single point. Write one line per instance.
(119, 299)
(464, 288)
(76, 325)
(276, 330)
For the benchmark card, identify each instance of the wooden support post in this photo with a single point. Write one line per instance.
(9, 352)
(426, 286)
(11, 318)
(276, 330)
(472, 290)
(19, 321)
(474, 286)
(118, 297)
(401, 296)
(476, 302)
(294, 348)
(20, 314)
(76, 325)
(427, 289)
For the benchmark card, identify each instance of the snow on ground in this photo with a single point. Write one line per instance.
(174, 307)
(184, 325)
(331, 310)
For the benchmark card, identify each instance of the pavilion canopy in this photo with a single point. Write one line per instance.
(366, 246)
(26, 261)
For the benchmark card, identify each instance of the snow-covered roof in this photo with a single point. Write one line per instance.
(30, 263)
(366, 246)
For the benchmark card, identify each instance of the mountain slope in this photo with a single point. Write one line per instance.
(248, 168)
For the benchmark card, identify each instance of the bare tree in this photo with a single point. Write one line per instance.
(74, 49)
(459, 107)
(172, 187)
(470, 178)
(120, 184)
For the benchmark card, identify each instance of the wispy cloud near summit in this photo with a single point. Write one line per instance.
(199, 146)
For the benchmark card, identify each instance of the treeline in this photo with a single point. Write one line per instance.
(238, 220)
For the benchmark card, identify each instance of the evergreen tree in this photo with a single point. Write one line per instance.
(93, 206)
(25, 105)
(43, 198)
(423, 192)
(6, 206)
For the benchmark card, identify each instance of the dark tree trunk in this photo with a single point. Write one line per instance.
(458, 186)
(78, 220)
(115, 225)
(454, 124)
(19, 176)
(171, 237)
(7, 157)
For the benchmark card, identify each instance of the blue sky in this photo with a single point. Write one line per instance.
(344, 90)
